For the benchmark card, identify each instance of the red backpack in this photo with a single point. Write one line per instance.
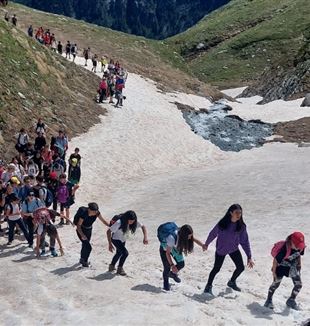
(277, 248)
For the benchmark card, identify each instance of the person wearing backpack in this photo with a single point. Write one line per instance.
(22, 141)
(84, 219)
(42, 218)
(174, 242)
(28, 207)
(74, 173)
(68, 50)
(43, 193)
(13, 213)
(287, 262)
(120, 226)
(73, 51)
(230, 232)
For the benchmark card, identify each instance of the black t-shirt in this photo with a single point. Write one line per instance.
(285, 270)
(87, 220)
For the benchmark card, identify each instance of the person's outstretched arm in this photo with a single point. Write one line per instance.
(103, 220)
(212, 235)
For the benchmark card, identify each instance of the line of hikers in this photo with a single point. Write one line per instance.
(175, 242)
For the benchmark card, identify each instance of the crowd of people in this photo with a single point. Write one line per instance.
(38, 186)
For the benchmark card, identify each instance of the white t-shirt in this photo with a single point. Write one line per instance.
(117, 233)
(172, 241)
(15, 212)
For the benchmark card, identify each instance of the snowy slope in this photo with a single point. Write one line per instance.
(145, 157)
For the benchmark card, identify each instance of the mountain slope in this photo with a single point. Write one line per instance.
(236, 43)
(150, 18)
(149, 58)
(36, 83)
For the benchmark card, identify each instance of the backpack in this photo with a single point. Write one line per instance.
(166, 229)
(63, 193)
(47, 197)
(41, 216)
(114, 219)
(78, 214)
(277, 248)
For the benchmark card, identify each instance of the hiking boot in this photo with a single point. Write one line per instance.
(291, 303)
(84, 263)
(269, 304)
(233, 285)
(208, 290)
(166, 286)
(54, 253)
(120, 271)
(9, 243)
(111, 268)
(43, 253)
(175, 277)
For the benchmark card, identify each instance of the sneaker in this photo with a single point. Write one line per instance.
(269, 304)
(233, 285)
(43, 253)
(175, 277)
(166, 286)
(120, 271)
(9, 243)
(111, 268)
(208, 290)
(84, 263)
(291, 303)
(54, 253)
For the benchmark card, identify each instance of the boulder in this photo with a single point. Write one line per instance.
(306, 101)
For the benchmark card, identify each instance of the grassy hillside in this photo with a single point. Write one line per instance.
(150, 58)
(37, 83)
(236, 43)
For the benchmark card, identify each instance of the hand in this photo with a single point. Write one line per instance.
(174, 269)
(251, 263)
(204, 247)
(61, 251)
(145, 241)
(111, 248)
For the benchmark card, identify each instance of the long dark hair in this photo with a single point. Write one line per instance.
(184, 244)
(125, 217)
(226, 220)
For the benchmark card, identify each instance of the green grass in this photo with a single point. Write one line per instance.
(257, 34)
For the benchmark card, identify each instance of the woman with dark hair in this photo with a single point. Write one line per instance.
(230, 232)
(120, 227)
(175, 241)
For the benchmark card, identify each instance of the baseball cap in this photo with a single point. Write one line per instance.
(298, 239)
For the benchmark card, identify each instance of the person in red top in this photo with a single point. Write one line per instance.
(103, 89)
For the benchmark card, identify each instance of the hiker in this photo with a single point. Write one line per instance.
(94, 61)
(65, 196)
(74, 173)
(30, 31)
(119, 86)
(28, 207)
(14, 20)
(84, 219)
(32, 169)
(40, 127)
(39, 142)
(59, 48)
(42, 218)
(53, 43)
(75, 155)
(22, 141)
(74, 51)
(13, 213)
(103, 62)
(61, 142)
(174, 242)
(7, 16)
(230, 232)
(120, 226)
(68, 50)
(287, 262)
(103, 90)
(111, 87)
(52, 185)
(86, 55)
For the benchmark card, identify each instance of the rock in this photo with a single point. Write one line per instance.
(21, 95)
(306, 101)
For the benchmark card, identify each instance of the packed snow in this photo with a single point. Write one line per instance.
(145, 157)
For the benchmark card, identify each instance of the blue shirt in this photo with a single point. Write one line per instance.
(31, 206)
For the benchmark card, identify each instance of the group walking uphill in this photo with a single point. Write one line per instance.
(35, 189)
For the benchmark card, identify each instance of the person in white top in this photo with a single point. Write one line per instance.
(12, 211)
(121, 226)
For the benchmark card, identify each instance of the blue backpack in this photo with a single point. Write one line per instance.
(166, 229)
(48, 197)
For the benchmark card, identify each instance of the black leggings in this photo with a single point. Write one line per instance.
(86, 246)
(121, 253)
(219, 260)
(166, 271)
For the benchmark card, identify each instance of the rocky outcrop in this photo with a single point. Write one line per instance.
(306, 101)
(150, 18)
